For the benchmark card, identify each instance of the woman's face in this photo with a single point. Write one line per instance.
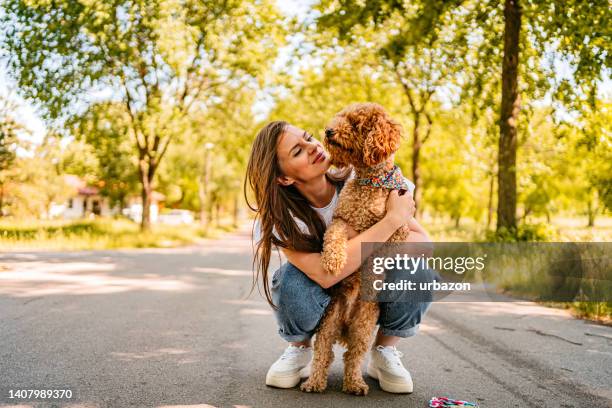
(301, 157)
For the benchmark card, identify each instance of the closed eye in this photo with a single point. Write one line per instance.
(308, 138)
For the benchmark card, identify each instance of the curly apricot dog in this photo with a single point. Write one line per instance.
(362, 135)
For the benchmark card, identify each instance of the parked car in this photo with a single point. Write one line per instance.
(176, 217)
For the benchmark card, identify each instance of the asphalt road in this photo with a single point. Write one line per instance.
(173, 328)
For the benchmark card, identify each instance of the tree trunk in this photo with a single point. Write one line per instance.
(202, 198)
(2, 200)
(217, 213)
(203, 183)
(236, 209)
(590, 213)
(506, 191)
(490, 206)
(146, 170)
(416, 168)
(145, 221)
(121, 203)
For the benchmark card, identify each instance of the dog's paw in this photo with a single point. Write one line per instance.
(311, 385)
(358, 387)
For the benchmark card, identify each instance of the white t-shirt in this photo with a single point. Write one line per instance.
(326, 213)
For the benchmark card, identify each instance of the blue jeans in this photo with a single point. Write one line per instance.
(301, 303)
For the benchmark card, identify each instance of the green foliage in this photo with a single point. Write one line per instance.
(419, 47)
(599, 311)
(36, 182)
(323, 92)
(79, 158)
(578, 32)
(156, 62)
(455, 169)
(449, 46)
(148, 49)
(217, 142)
(103, 129)
(524, 233)
(142, 86)
(595, 146)
(9, 129)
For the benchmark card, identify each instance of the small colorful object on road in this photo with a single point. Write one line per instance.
(443, 402)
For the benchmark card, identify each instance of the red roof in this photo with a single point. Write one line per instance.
(80, 185)
(82, 188)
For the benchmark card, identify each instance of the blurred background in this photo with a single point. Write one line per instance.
(128, 123)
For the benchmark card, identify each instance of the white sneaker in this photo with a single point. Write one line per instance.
(290, 367)
(385, 366)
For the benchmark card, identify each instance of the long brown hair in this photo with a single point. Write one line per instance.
(277, 205)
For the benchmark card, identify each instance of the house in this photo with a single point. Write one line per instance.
(86, 202)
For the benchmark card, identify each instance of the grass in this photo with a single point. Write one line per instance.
(565, 229)
(562, 229)
(96, 234)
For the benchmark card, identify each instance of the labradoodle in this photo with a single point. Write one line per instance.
(364, 136)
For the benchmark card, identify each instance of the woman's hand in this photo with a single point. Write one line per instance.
(400, 208)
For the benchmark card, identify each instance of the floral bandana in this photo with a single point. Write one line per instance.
(442, 402)
(393, 180)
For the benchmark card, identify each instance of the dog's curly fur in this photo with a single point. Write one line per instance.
(364, 136)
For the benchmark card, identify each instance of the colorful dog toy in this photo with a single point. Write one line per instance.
(443, 402)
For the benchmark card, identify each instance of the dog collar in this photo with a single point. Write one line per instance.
(392, 179)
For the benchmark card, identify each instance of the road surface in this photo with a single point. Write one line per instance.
(173, 328)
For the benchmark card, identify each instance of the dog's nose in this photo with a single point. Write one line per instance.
(329, 133)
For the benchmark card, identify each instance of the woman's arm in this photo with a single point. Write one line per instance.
(310, 262)
(399, 208)
(417, 232)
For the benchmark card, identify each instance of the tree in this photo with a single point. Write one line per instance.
(36, 181)
(9, 130)
(597, 141)
(574, 32)
(102, 127)
(534, 33)
(321, 92)
(422, 58)
(207, 166)
(588, 144)
(508, 121)
(159, 60)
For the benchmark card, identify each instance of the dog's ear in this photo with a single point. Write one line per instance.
(382, 140)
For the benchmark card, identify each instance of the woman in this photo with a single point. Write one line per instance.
(295, 194)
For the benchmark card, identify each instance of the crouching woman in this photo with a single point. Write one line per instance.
(295, 196)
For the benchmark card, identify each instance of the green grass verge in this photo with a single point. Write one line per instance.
(560, 229)
(96, 234)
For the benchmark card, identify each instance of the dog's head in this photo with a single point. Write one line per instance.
(362, 135)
